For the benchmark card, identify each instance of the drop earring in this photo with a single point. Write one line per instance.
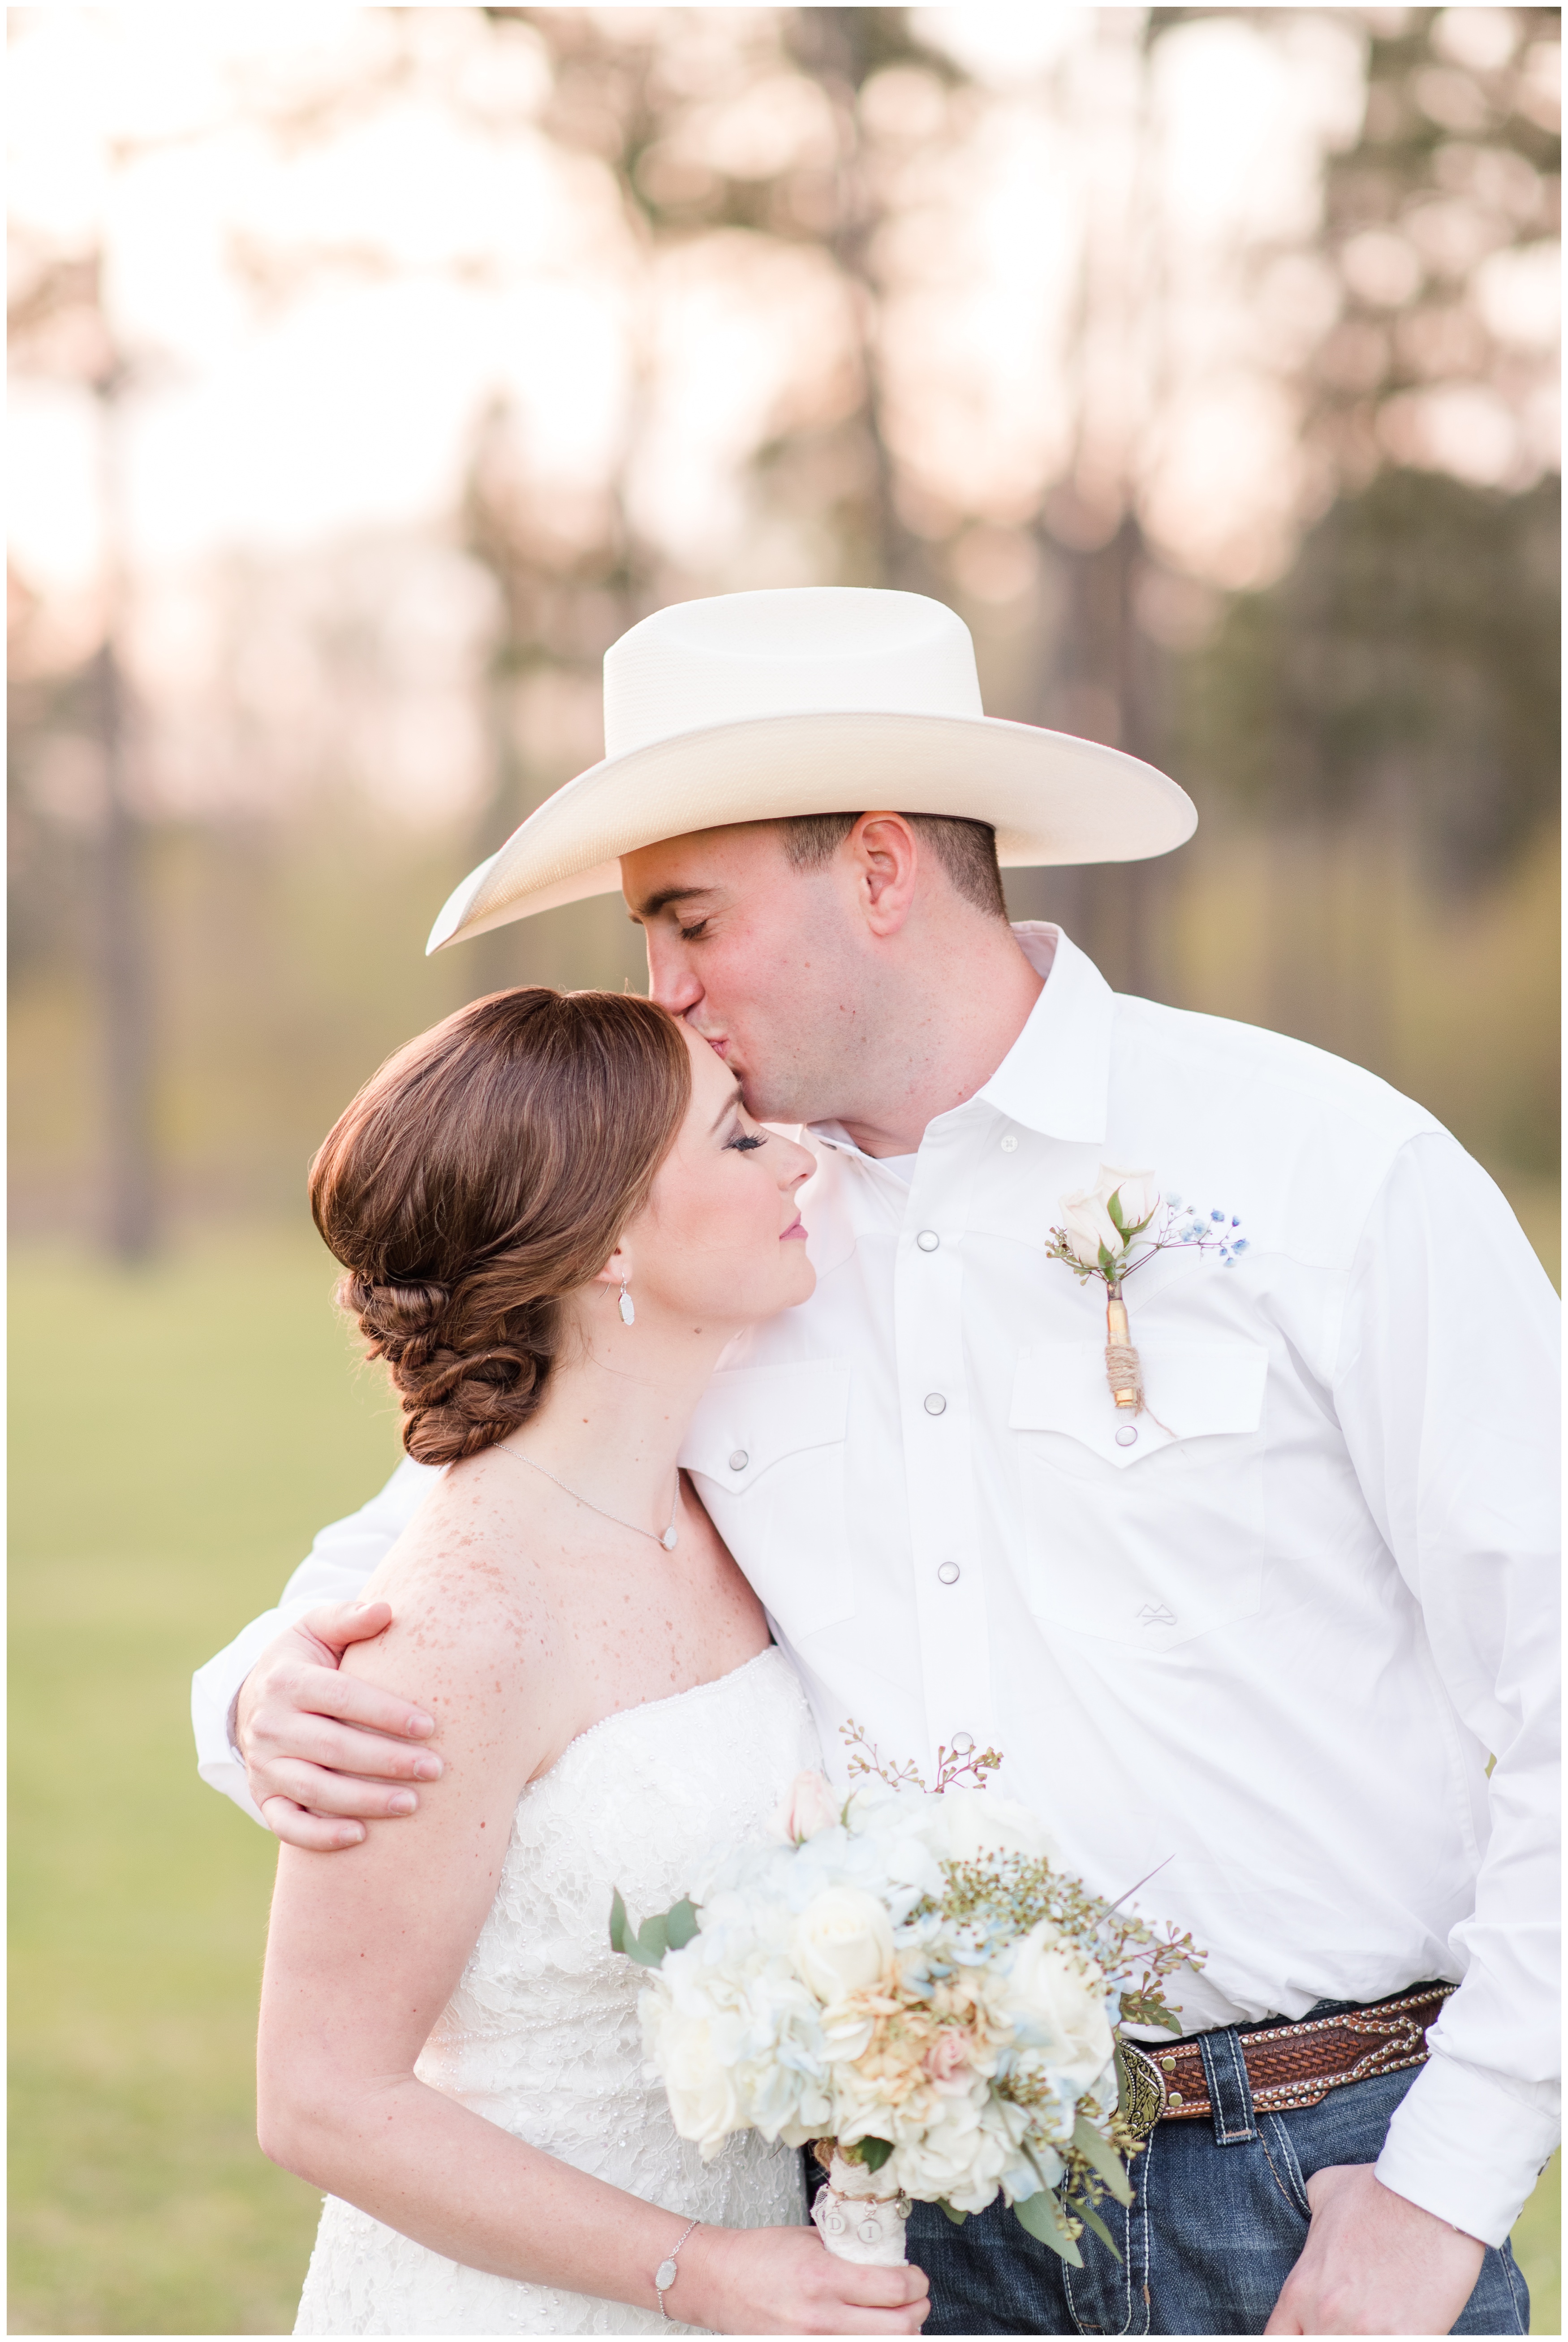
(628, 1315)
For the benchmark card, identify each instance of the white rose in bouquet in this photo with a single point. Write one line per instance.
(704, 2101)
(844, 1944)
(1059, 2007)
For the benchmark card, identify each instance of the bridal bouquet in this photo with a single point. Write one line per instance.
(909, 1979)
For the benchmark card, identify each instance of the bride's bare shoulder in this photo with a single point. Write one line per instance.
(467, 1590)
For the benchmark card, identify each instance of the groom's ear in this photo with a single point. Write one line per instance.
(885, 857)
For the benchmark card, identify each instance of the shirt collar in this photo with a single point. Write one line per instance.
(1055, 1078)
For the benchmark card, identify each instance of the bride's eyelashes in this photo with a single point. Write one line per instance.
(743, 1144)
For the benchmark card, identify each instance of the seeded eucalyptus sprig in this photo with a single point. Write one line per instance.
(865, 1758)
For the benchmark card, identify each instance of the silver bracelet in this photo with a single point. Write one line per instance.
(665, 2274)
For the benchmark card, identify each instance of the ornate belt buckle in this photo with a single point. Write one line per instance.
(1142, 2089)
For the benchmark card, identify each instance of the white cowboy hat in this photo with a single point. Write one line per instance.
(811, 699)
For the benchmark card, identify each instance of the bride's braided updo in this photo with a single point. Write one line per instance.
(487, 1170)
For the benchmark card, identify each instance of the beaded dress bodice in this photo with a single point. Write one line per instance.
(542, 2035)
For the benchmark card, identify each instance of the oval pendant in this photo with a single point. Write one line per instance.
(669, 1540)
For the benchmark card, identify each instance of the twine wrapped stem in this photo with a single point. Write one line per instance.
(1124, 1367)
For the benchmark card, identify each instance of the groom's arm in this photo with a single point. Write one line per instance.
(1447, 1390)
(342, 1742)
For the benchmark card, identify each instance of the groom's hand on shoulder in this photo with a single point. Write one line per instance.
(324, 1752)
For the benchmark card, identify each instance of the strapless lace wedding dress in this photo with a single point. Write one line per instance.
(542, 2035)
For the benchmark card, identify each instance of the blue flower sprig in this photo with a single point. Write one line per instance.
(1200, 1228)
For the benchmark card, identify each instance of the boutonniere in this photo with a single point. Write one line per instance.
(1109, 1232)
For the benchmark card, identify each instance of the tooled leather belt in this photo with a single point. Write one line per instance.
(1292, 2065)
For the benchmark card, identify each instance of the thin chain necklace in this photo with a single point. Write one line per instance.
(669, 1540)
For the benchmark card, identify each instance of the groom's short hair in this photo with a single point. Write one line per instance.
(965, 849)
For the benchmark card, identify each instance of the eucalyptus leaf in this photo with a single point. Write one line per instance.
(1104, 2158)
(681, 1923)
(646, 1945)
(1042, 2216)
(653, 1942)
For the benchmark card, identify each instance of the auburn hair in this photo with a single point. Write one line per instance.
(482, 1174)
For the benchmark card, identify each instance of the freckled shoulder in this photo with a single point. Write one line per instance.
(473, 1623)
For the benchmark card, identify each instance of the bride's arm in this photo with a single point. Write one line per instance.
(365, 1949)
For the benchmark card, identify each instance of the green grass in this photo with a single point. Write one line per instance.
(177, 1435)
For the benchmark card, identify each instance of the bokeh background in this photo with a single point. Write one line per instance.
(372, 368)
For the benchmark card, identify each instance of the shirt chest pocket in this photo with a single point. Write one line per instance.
(1153, 1539)
(766, 1450)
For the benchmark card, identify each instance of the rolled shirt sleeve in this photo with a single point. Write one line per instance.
(1447, 1389)
(343, 1558)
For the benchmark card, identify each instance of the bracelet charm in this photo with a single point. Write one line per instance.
(666, 2273)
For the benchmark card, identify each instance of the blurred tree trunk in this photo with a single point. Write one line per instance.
(1103, 678)
(124, 986)
(840, 48)
(123, 969)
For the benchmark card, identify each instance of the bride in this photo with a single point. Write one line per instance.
(553, 1215)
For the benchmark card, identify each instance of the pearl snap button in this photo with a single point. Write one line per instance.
(949, 1573)
(962, 1742)
(1009, 1144)
(928, 1239)
(739, 1460)
(1125, 1436)
(934, 1402)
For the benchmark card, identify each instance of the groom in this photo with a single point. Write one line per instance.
(1262, 1635)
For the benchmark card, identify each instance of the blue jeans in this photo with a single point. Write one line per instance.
(1212, 2232)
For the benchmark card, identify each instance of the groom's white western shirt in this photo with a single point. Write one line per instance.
(1269, 1643)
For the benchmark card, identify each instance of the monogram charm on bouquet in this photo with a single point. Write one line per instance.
(1106, 1232)
(858, 2219)
(907, 1980)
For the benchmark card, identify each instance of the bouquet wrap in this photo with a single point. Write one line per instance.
(857, 2219)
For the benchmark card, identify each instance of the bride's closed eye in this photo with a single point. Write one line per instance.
(742, 1142)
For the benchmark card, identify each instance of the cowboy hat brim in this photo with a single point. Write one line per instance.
(1050, 797)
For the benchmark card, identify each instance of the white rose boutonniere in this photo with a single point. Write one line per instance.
(1112, 1230)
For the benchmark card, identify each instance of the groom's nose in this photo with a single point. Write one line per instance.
(672, 980)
